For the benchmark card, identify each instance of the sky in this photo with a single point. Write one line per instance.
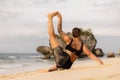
(23, 23)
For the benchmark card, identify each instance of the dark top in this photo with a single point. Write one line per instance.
(77, 52)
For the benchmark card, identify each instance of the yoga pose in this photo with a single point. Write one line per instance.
(74, 46)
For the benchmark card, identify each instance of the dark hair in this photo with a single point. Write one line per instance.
(76, 32)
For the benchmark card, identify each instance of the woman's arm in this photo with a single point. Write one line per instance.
(51, 31)
(59, 22)
(91, 55)
(64, 36)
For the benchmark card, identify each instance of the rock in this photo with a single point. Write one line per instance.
(111, 54)
(119, 52)
(46, 51)
(82, 55)
(86, 36)
(90, 41)
(63, 45)
(98, 52)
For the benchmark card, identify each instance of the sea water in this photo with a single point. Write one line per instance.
(15, 63)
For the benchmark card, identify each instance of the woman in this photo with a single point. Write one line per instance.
(74, 46)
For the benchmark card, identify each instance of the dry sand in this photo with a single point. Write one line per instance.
(88, 70)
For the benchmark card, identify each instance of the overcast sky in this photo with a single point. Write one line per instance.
(23, 23)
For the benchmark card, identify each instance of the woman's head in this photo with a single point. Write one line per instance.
(76, 32)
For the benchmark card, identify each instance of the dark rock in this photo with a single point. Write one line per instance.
(119, 52)
(90, 41)
(86, 36)
(111, 54)
(82, 55)
(98, 52)
(46, 51)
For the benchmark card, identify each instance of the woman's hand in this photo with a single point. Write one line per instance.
(51, 15)
(59, 15)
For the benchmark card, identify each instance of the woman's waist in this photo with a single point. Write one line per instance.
(73, 56)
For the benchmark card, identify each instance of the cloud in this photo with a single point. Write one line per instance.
(20, 20)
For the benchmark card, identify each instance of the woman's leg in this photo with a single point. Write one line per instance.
(54, 42)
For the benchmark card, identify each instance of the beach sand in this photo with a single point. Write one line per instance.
(87, 70)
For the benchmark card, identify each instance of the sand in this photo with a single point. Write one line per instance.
(85, 70)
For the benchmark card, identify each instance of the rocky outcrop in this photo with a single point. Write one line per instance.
(98, 52)
(89, 39)
(46, 51)
(86, 36)
(110, 54)
(119, 53)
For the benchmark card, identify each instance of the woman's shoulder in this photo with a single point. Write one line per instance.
(69, 41)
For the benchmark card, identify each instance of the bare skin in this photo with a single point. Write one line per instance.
(54, 42)
(76, 44)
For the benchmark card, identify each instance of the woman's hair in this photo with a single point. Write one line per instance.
(76, 32)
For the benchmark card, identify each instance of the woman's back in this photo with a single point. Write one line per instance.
(75, 46)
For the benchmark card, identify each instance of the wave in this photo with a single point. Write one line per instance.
(12, 57)
(11, 66)
(22, 62)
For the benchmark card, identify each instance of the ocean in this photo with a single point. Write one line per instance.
(16, 63)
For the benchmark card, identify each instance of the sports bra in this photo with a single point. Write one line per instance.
(76, 52)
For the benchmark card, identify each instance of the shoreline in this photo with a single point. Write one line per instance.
(89, 70)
